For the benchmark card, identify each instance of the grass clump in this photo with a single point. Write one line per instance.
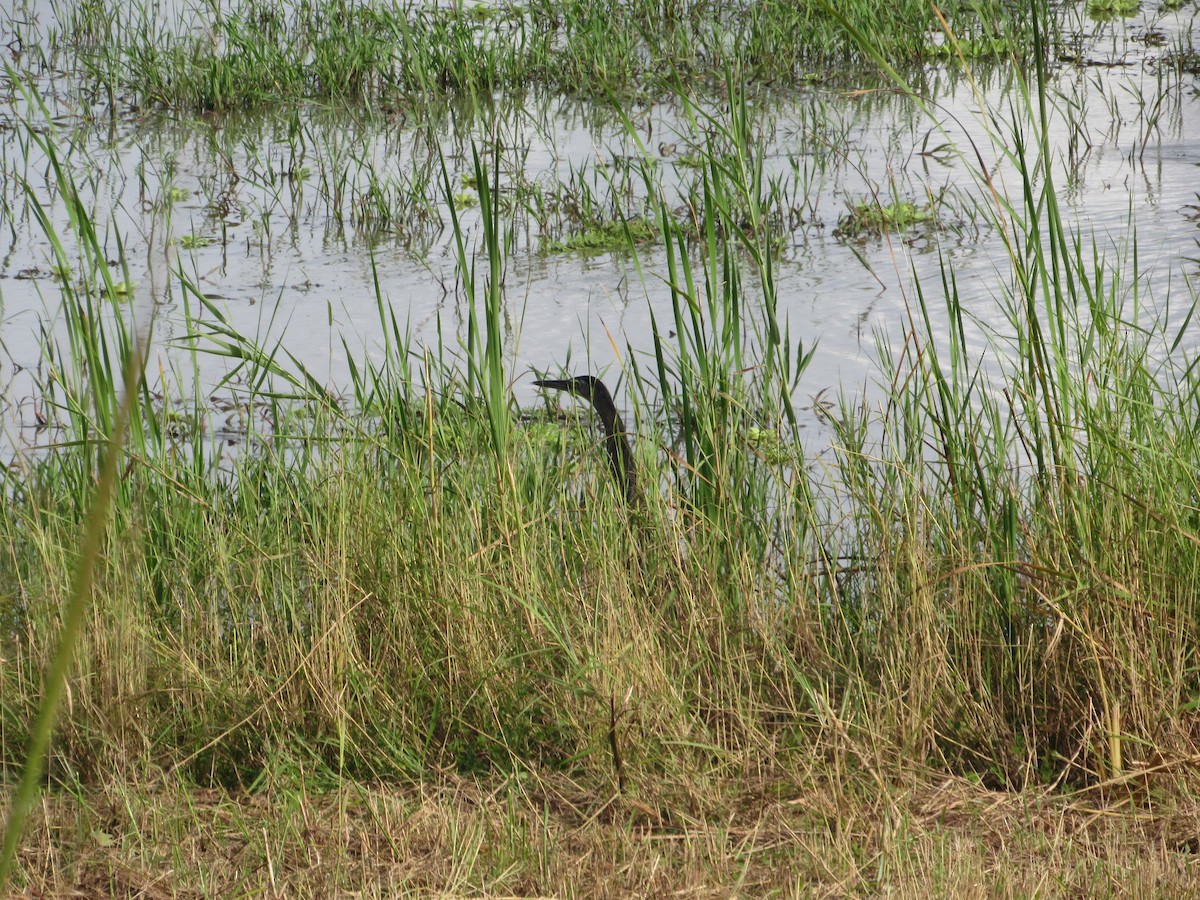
(1109, 9)
(871, 218)
(399, 55)
(605, 237)
(974, 50)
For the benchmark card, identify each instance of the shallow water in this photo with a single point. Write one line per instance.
(273, 221)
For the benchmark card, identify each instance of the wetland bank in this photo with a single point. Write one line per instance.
(899, 302)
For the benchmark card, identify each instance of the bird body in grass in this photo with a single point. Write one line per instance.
(616, 439)
(620, 460)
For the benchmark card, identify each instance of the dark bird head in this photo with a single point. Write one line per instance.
(586, 387)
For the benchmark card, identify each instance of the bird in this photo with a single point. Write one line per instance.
(616, 440)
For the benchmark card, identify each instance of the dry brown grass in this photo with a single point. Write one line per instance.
(547, 836)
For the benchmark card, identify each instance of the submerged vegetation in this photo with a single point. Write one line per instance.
(408, 635)
(875, 218)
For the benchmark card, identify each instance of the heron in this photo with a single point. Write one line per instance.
(616, 440)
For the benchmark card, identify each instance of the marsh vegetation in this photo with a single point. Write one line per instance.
(305, 590)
